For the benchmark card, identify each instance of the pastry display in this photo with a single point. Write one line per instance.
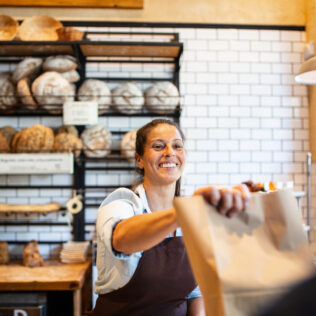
(51, 90)
(96, 141)
(162, 97)
(31, 255)
(28, 67)
(39, 28)
(128, 145)
(95, 90)
(4, 253)
(25, 94)
(67, 143)
(37, 138)
(60, 63)
(127, 98)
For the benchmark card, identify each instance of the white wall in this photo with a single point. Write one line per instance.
(243, 116)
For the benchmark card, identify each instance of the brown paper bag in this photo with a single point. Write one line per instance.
(242, 263)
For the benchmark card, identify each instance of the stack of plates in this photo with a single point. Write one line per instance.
(74, 251)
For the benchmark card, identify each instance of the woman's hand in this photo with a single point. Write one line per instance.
(229, 201)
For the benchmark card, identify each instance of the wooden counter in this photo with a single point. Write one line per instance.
(54, 276)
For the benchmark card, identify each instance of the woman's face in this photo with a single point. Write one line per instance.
(164, 156)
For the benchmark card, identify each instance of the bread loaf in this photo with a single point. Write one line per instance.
(31, 255)
(96, 141)
(128, 145)
(24, 92)
(71, 76)
(51, 90)
(69, 129)
(127, 98)
(60, 63)
(7, 94)
(37, 138)
(4, 145)
(28, 67)
(67, 143)
(8, 132)
(95, 90)
(29, 208)
(4, 253)
(162, 97)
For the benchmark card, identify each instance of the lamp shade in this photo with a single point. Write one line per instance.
(307, 72)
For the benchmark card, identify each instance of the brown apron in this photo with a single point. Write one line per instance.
(159, 286)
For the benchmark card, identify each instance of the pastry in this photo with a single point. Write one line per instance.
(51, 90)
(162, 97)
(95, 90)
(96, 141)
(25, 94)
(127, 98)
(31, 255)
(37, 138)
(128, 145)
(28, 67)
(67, 143)
(60, 63)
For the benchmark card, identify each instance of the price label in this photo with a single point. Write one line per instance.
(80, 113)
(36, 163)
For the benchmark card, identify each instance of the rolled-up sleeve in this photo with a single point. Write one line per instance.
(195, 293)
(109, 216)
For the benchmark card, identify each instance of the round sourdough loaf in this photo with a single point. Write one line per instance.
(128, 98)
(71, 76)
(69, 129)
(8, 132)
(28, 67)
(128, 145)
(4, 144)
(51, 90)
(37, 138)
(162, 97)
(8, 97)
(95, 90)
(65, 142)
(8, 27)
(60, 63)
(25, 94)
(96, 141)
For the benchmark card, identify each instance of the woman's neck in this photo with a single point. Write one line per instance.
(159, 196)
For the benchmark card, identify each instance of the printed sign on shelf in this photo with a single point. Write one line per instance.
(36, 163)
(80, 113)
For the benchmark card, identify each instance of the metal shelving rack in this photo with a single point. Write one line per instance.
(98, 47)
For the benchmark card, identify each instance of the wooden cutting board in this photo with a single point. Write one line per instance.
(53, 276)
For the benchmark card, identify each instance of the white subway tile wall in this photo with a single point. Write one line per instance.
(243, 115)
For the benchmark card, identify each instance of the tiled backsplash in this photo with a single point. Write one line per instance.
(243, 115)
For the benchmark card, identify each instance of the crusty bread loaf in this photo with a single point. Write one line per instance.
(16, 139)
(60, 63)
(128, 145)
(4, 145)
(51, 90)
(37, 138)
(29, 208)
(31, 255)
(25, 94)
(96, 141)
(8, 132)
(4, 253)
(71, 76)
(95, 90)
(69, 129)
(28, 67)
(162, 97)
(7, 94)
(127, 98)
(67, 143)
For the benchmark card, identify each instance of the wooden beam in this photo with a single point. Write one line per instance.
(123, 4)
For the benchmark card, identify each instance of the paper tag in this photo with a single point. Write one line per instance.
(36, 163)
(80, 113)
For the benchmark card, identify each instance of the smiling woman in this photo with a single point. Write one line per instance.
(142, 264)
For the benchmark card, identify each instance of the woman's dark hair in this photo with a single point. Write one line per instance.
(141, 138)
